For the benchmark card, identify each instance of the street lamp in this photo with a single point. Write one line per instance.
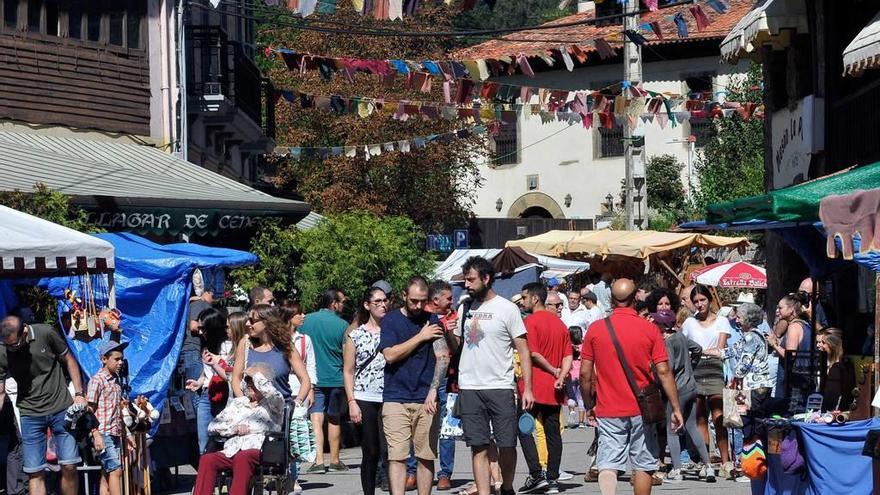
(568, 200)
(498, 205)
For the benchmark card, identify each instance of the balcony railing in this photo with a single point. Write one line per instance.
(221, 68)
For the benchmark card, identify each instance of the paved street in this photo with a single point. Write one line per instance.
(574, 454)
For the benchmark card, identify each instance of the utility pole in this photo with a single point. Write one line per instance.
(632, 72)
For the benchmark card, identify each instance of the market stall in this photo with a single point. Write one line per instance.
(631, 252)
(515, 267)
(33, 248)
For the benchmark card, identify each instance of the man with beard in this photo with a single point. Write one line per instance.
(417, 356)
(491, 327)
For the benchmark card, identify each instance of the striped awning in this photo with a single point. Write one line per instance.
(762, 25)
(32, 247)
(863, 52)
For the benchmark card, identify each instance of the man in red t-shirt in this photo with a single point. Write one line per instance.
(550, 347)
(622, 434)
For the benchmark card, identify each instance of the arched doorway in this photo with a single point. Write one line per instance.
(535, 212)
(535, 205)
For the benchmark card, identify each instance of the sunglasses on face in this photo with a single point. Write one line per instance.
(554, 305)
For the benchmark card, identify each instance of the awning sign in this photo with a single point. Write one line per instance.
(180, 221)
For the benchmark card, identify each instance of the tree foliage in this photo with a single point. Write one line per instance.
(731, 165)
(434, 186)
(663, 181)
(512, 13)
(348, 251)
(352, 250)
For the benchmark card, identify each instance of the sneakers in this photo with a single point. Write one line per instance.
(726, 472)
(674, 476)
(317, 469)
(742, 479)
(552, 487)
(709, 474)
(297, 488)
(565, 476)
(534, 485)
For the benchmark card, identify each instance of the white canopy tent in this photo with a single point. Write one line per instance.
(553, 267)
(33, 247)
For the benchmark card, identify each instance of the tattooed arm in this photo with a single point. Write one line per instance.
(441, 352)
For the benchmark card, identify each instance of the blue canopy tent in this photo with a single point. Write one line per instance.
(153, 284)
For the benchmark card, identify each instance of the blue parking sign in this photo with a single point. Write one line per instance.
(461, 239)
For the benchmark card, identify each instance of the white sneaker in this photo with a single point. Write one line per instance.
(297, 488)
(674, 476)
(710, 475)
(743, 479)
(565, 476)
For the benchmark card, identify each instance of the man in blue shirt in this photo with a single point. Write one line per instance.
(417, 357)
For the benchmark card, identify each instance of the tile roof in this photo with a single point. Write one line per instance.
(545, 40)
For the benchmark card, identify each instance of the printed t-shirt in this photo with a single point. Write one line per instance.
(36, 367)
(327, 331)
(707, 337)
(487, 332)
(408, 380)
(548, 336)
(642, 345)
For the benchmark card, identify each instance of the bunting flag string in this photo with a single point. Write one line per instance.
(571, 107)
(367, 151)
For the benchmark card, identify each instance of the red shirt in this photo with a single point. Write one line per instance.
(547, 336)
(642, 345)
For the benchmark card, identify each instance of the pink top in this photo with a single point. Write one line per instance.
(575, 373)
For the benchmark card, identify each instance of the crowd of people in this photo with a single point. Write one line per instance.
(509, 372)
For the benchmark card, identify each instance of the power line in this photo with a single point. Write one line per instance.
(307, 25)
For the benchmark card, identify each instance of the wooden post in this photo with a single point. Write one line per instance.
(671, 271)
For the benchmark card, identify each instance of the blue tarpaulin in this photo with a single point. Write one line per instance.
(153, 285)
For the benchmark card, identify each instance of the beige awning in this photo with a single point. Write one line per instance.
(635, 244)
(863, 52)
(764, 24)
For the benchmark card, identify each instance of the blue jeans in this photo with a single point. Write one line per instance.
(33, 441)
(447, 445)
(109, 458)
(203, 418)
(737, 439)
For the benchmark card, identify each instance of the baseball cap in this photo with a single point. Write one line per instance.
(526, 424)
(553, 282)
(110, 346)
(382, 284)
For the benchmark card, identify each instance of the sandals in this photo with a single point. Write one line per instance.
(471, 489)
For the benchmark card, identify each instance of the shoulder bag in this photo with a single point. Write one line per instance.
(649, 399)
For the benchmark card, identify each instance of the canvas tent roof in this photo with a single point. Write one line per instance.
(799, 203)
(33, 246)
(634, 244)
(553, 267)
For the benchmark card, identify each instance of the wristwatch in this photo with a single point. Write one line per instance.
(79, 394)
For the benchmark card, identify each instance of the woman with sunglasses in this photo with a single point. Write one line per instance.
(268, 342)
(364, 378)
(216, 349)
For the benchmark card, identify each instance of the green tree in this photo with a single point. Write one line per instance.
(434, 186)
(731, 165)
(663, 181)
(55, 207)
(512, 13)
(352, 250)
(346, 251)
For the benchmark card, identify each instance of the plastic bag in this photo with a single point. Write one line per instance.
(735, 404)
(451, 426)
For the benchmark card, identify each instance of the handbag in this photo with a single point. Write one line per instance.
(272, 452)
(872, 444)
(649, 399)
(302, 438)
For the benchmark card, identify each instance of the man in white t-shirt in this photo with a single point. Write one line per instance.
(491, 328)
(594, 312)
(574, 314)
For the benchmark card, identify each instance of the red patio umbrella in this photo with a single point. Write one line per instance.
(732, 275)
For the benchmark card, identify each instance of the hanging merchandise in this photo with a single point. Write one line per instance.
(680, 25)
(700, 17)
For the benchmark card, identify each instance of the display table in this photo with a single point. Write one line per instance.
(834, 462)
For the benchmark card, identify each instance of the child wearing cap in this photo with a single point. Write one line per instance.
(105, 396)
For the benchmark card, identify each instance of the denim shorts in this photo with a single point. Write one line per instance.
(329, 401)
(33, 442)
(622, 439)
(109, 459)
